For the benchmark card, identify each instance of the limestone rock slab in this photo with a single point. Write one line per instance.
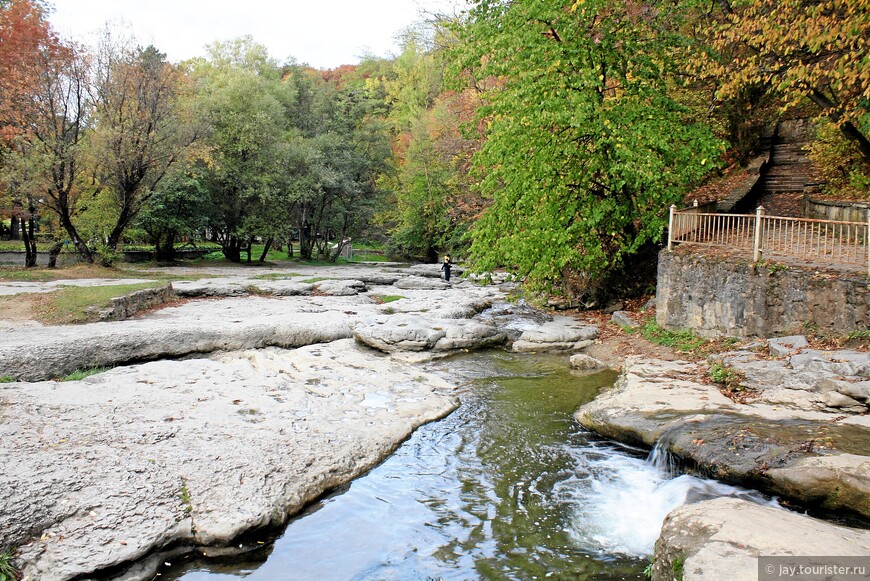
(723, 538)
(95, 474)
(560, 334)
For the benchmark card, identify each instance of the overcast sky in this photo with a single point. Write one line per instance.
(322, 33)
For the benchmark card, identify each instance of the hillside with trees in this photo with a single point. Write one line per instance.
(545, 137)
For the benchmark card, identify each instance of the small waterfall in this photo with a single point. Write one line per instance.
(661, 459)
(622, 500)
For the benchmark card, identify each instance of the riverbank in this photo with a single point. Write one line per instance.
(788, 419)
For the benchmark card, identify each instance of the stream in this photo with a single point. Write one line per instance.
(508, 486)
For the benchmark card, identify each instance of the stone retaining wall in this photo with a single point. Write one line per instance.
(839, 211)
(128, 305)
(718, 297)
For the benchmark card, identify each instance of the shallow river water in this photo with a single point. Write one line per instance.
(508, 486)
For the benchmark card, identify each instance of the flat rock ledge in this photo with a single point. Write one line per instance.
(723, 539)
(96, 475)
(399, 333)
(815, 458)
(559, 334)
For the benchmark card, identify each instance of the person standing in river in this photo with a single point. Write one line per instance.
(445, 266)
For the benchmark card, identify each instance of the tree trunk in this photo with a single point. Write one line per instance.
(27, 234)
(53, 253)
(77, 241)
(164, 247)
(232, 248)
(14, 228)
(266, 249)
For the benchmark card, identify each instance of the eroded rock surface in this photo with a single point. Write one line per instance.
(559, 334)
(813, 457)
(723, 538)
(103, 471)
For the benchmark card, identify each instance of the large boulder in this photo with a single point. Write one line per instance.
(724, 539)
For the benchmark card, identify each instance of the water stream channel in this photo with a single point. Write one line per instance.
(508, 486)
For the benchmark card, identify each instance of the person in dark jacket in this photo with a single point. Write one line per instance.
(445, 266)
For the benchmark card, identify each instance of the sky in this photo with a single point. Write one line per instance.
(321, 33)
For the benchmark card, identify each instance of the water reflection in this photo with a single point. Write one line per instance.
(506, 487)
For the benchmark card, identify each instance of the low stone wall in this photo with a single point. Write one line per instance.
(128, 305)
(839, 211)
(719, 297)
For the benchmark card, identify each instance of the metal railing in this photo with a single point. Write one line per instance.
(822, 241)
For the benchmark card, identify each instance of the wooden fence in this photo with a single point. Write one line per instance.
(819, 241)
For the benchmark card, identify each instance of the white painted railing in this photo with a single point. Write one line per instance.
(820, 241)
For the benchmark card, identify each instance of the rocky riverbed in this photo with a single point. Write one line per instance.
(801, 432)
(230, 411)
(223, 416)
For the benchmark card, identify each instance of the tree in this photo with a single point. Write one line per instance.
(179, 207)
(25, 38)
(140, 129)
(585, 147)
(56, 125)
(798, 49)
(244, 104)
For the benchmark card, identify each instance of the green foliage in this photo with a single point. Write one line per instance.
(184, 496)
(648, 570)
(6, 379)
(684, 340)
(585, 148)
(726, 376)
(839, 163)
(859, 335)
(677, 568)
(80, 374)
(7, 571)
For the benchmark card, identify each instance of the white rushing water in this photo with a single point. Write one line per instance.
(625, 499)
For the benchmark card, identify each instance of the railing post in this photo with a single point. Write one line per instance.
(756, 256)
(671, 226)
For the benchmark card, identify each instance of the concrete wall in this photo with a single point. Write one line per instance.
(727, 298)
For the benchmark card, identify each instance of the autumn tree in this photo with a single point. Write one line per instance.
(799, 50)
(25, 39)
(585, 147)
(140, 129)
(56, 130)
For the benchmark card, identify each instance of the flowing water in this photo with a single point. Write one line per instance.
(506, 487)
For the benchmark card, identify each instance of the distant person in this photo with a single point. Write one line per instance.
(445, 267)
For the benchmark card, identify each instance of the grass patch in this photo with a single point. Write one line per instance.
(685, 341)
(726, 376)
(70, 305)
(381, 299)
(316, 279)
(7, 571)
(6, 379)
(80, 374)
